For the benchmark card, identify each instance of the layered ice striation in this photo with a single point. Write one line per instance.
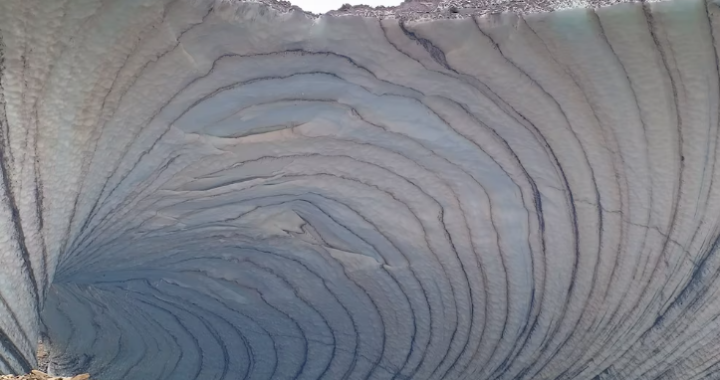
(197, 189)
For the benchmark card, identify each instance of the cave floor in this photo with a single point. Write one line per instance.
(38, 375)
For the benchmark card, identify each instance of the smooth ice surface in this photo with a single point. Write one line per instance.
(198, 189)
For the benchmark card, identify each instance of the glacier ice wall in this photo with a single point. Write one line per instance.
(226, 190)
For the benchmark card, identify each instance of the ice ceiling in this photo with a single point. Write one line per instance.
(199, 189)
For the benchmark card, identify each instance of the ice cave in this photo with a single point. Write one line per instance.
(442, 190)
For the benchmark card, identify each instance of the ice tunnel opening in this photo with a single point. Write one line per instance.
(256, 243)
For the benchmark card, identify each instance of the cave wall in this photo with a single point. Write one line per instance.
(231, 190)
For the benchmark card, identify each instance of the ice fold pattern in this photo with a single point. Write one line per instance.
(197, 189)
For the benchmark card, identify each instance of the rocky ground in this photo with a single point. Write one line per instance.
(42, 355)
(38, 375)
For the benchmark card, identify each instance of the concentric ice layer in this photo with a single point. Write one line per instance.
(199, 189)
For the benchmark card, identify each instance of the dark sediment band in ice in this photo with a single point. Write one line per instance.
(223, 190)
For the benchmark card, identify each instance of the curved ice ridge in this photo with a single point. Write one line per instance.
(220, 190)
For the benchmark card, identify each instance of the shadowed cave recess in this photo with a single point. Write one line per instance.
(200, 189)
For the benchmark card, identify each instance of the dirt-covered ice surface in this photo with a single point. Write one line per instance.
(438, 9)
(42, 357)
